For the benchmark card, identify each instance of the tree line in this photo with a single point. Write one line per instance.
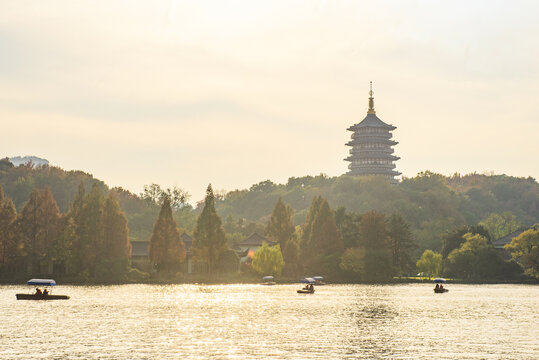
(88, 242)
(384, 224)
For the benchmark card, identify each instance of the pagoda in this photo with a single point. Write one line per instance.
(372, 152)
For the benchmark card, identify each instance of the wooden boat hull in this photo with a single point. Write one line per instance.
(41, 297)
(305, 291)
(439, 291)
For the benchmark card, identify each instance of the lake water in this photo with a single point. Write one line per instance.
(273, 322)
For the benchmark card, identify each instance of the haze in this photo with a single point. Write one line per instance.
(232, 93)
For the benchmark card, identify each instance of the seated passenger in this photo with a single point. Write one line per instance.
(38, 291)
(437, 286)
(45, 292)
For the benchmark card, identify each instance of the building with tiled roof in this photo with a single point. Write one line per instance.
(500, 243)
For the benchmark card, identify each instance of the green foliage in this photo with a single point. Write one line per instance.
(430, 263)
(500, 225)
(137, 276)
(353, 262)
(320, 236)
(112, 270)
(8, 215)
(281, 229)
(268, 260)
(525, 249)
(38, 225)
(154, 194)
(166, 248)
(455, 238)
(348, 225)
(375, 242)
(210, 239)
(228, 262)
(477, 259)
(116, 242)
(401, 244)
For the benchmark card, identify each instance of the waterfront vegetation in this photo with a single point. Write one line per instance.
(349, 229)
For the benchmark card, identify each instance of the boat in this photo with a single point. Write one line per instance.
(268, 280)
(45, 295)
(439, 289)
(319, 280)
(308, 289)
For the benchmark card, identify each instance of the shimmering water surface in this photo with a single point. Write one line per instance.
(273, 322)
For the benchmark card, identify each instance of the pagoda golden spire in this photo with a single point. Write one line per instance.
(371, 102)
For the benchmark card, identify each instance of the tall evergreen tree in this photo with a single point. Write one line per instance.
(166, 248)
(87, 214)
(77, 261)
(115, 231)
(348, 225)
(320, 237)
(374, 241)
(210, 240)
(280, 228)
(8, 215)
(39, 226)
(401, 243)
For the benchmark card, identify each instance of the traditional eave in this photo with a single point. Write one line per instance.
(371, 120)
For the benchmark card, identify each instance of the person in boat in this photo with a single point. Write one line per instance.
(38, 291)
(441, 287)
(311, 287)
(45, 292)
(437, 287)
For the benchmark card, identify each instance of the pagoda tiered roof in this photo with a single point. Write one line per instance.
(371, 120)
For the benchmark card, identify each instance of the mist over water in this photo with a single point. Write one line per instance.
(273, 322)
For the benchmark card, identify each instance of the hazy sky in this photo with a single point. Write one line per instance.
(235, 92)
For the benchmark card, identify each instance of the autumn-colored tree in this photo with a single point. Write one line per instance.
(116, 242)
(87, 215)
(210, 240)
(268, 260)
(280, 229)
(401, 243)
(8, 215)
(166, 248)
(525, 249)
(38, 224)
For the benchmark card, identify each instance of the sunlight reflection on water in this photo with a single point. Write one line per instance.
(261, 322)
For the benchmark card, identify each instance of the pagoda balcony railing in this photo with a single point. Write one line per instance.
(377, 136)
(368, 152)
(373, 165)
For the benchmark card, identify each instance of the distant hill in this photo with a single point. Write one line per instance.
(22, 160)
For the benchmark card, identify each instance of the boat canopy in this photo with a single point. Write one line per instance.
(439, 280)
(267, 278)
(307, 281)
(318, 278)
(41, 282)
